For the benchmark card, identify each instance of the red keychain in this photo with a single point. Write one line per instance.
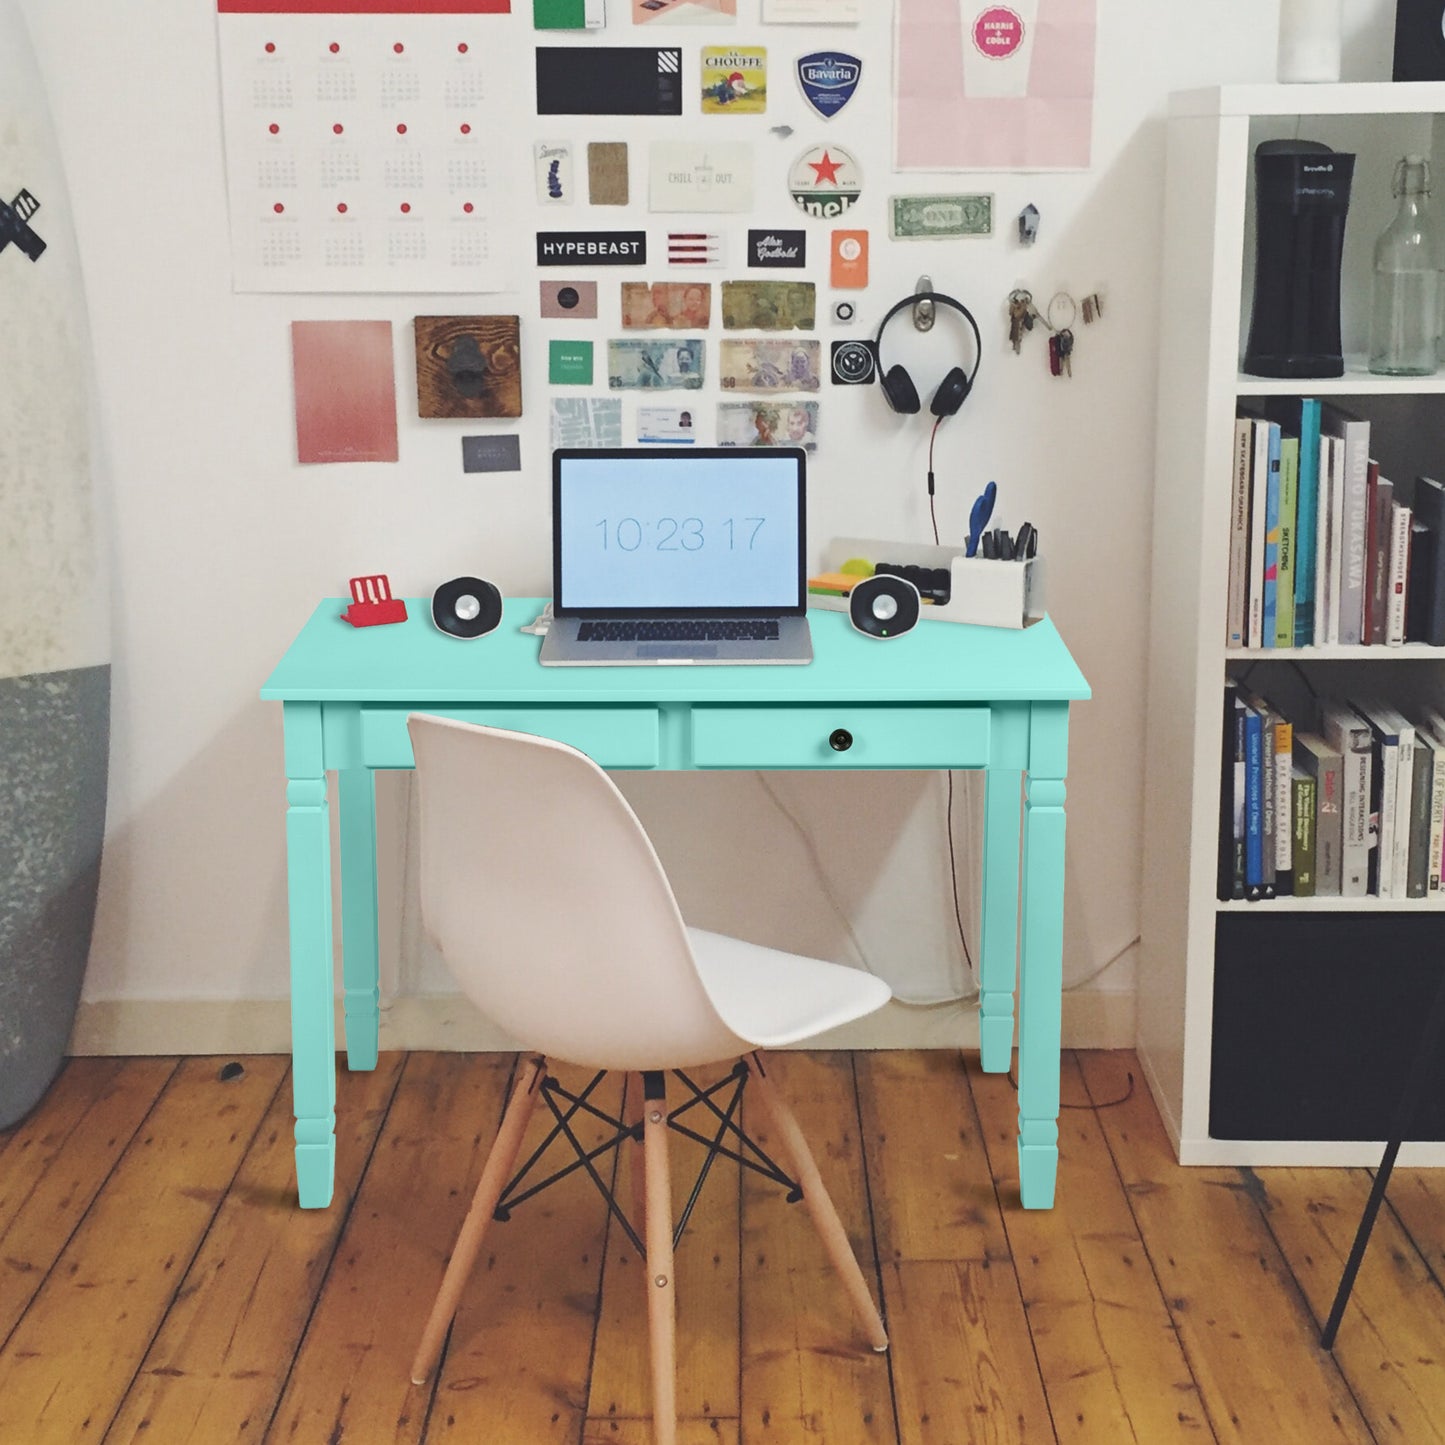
(372, 603)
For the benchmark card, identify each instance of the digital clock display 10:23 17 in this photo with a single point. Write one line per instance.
(678, 534)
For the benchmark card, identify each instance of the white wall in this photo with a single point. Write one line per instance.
(223, 543)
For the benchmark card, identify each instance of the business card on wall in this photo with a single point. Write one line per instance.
(607, 173)
(788, 249)
(849, 268)
(492, 453)
(569, 14)
(569, 298)
(666, 425)
(569, 363)
(700, 176)
(616, 80)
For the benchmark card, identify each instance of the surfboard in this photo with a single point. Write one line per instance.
(54, 598)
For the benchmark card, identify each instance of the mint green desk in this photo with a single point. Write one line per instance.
(943, 696)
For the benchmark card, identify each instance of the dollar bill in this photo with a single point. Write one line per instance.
(666, 305)
(586, 421)
(914, 218)
(655, 365)
(768, 424)
(769, 365)
(768, 305)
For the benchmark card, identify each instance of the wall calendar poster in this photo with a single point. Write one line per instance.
(356, 138)
(984, 86)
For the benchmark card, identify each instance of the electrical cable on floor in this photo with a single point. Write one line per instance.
(1106, 1104)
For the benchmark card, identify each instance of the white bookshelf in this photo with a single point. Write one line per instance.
(1207, 285)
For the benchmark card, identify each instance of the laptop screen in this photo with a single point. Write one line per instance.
(698, 531)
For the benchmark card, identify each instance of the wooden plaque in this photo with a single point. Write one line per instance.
(468, 366)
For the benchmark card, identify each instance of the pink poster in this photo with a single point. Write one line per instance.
(1004, 87)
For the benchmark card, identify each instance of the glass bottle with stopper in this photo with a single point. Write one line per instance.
(1404, 298)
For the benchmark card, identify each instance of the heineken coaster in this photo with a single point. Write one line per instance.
(825, 181)
(912, 218)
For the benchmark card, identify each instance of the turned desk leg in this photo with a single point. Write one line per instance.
(357, 798)
(1042, 959)
(998, 950)
(313, 1022)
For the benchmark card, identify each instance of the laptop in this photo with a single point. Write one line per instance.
(678, 555)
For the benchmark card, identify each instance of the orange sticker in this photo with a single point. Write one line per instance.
(850, 259)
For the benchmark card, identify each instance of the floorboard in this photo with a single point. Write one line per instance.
(159, 1286)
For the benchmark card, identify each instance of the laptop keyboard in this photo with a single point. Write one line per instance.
(714, 629)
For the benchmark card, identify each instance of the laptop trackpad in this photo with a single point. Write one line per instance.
(674, 649)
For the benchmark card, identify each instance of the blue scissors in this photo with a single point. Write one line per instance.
(978, 517)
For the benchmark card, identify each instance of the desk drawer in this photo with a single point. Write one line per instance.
(613, 737)
(866, 737)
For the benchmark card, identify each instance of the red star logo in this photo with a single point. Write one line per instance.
(827, 169)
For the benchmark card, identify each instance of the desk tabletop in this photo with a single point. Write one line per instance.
(412, 662)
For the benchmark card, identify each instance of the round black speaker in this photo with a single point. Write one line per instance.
(466, 607)
(884, 606)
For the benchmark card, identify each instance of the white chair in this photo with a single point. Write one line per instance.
(543, 893)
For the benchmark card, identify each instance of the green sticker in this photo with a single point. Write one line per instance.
(569, 363)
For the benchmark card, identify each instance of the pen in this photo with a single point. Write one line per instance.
(1024, 541)
(978, 517)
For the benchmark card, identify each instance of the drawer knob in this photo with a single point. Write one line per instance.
(840, 740)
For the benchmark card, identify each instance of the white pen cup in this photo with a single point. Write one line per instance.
(998, 47)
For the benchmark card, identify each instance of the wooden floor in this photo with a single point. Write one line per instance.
(158, 1283)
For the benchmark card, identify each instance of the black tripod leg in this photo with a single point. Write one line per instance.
(1404, 1118)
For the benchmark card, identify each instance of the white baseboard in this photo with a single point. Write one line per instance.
(1091, 1020)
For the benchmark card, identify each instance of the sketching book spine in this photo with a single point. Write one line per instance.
(1355, 434)
(1377, 557)
(1238, 623)
(1421, 807)
(1288, 523)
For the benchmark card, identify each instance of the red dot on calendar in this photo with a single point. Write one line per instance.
(466, 129)
(274, 128)
(341, 207)
(398, 47)
(270, 47)
(462, 48)
(468, 207)
(406, 208)
(337, 128)
(401, 129)
(335, 48)
(278, 208)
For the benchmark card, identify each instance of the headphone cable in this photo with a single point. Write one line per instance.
(933, 516)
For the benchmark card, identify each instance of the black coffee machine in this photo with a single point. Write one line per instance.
(1303, 192)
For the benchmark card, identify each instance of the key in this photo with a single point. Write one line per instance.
(1018, 318)
(1093, 309)
(1065, 339)
(1056, 360)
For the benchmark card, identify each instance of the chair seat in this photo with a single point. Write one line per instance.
(772, 998)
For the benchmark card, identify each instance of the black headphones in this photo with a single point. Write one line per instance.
(953, 390)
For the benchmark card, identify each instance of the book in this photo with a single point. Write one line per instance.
(1337, 537)
(1350, 736)
(1253, 804)
(1354, 432)
(1422, 786)
(1419, 581)
(1274, 794)
(1429, 506)
(1236, 629)
(1385, 813)
(1288, 523)
(1435, 736)
(1400, 518)
(1377, 557)
(1258, 498)
(1301, 417)
(1303, 832)
(1269, 614)
(1231, 797)
(1238, 885)
(1323, 763)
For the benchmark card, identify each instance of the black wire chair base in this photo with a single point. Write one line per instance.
(746, 1154)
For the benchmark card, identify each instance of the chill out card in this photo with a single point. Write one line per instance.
(734, 79)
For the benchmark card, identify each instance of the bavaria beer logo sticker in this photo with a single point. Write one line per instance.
(828, 79)
(825, 181)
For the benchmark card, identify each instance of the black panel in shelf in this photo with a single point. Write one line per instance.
(1316, 1019)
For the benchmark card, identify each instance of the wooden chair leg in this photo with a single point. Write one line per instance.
(489, 1189)
(661, 1296)
(794, 1148)
(637, 1155)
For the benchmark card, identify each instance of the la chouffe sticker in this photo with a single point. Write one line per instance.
(825, 181)
(734, 79)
